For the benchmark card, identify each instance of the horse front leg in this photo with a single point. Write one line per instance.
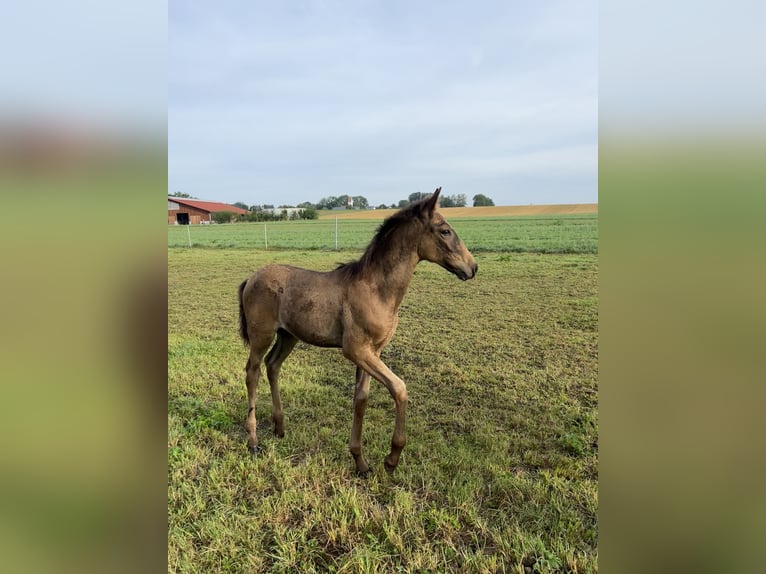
(372, 365)
(361, 392)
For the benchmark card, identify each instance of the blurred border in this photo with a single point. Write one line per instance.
(83, 174)
(83, 170)
(682, 309)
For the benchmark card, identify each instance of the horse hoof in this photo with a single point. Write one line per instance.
(254, 450)
(389, 469)
(364, 473)
(279, 434)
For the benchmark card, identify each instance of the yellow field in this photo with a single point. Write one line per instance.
(453, 212)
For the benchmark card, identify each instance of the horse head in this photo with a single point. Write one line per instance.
(440, 244)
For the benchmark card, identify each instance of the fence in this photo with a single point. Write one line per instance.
(561, 234)
(323, 234)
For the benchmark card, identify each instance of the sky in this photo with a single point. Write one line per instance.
(80, 61)
(286, 102)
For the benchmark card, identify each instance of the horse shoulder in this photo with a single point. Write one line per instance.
(369, 315)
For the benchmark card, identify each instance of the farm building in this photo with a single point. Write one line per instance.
(182, 211)
(289, 211)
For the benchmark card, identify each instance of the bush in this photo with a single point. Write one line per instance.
(481, 200)
(223, 216)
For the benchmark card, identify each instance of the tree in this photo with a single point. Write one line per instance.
(403, 203)
(241, 205)
(446, 201)
(452, 200)
(382, 206)
(308, 213)
(360, 202)
(417, 196)
(223, 216)
(332, 201)
(181, 194)
(481, 200)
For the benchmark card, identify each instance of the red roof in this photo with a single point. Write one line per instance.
(209, 206)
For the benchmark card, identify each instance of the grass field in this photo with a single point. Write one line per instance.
(539, 234)
(500, 470)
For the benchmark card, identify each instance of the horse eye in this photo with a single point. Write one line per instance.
(445, 232)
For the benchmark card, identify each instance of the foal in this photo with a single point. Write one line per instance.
(353, 307)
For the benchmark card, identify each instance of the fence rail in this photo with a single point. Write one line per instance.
(564, 234)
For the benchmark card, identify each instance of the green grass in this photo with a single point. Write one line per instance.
(538, 234)
(500, 470)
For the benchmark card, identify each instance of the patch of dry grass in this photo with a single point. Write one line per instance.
(493, 211)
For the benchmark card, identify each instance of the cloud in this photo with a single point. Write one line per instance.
(309, 99)
(566, 161)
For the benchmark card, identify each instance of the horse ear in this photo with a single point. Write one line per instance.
(430, 204)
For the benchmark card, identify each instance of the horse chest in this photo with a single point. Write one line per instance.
(384, 332)
(392, 330)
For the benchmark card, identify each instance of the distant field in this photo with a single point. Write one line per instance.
(471, 212)
(540, 233)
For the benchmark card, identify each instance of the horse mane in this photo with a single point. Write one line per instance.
(386, 243)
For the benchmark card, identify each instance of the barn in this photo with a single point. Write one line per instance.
(182, 211)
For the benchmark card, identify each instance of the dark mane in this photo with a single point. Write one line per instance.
(384, 241)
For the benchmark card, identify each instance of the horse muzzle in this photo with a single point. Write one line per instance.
(466, 273)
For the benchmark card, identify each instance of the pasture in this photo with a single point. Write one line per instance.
(532, 234)
(500, 470)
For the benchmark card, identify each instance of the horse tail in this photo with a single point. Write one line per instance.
(242, 319)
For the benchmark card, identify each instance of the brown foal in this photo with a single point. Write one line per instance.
(353, 307)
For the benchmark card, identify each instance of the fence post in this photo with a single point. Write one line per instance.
(188, 232)
(336, 233)
(265, 236)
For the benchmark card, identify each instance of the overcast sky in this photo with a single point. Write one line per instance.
(285, 102)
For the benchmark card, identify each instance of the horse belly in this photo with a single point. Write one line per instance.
(314, 320)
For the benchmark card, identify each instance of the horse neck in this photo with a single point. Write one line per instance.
(391, 266)
(398, 278)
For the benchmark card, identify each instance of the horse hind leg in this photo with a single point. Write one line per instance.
(279, 352)
(258, 346)
(361, 393)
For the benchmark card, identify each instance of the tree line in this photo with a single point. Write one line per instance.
(308, 210)
(361, 202)
(267, 212)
